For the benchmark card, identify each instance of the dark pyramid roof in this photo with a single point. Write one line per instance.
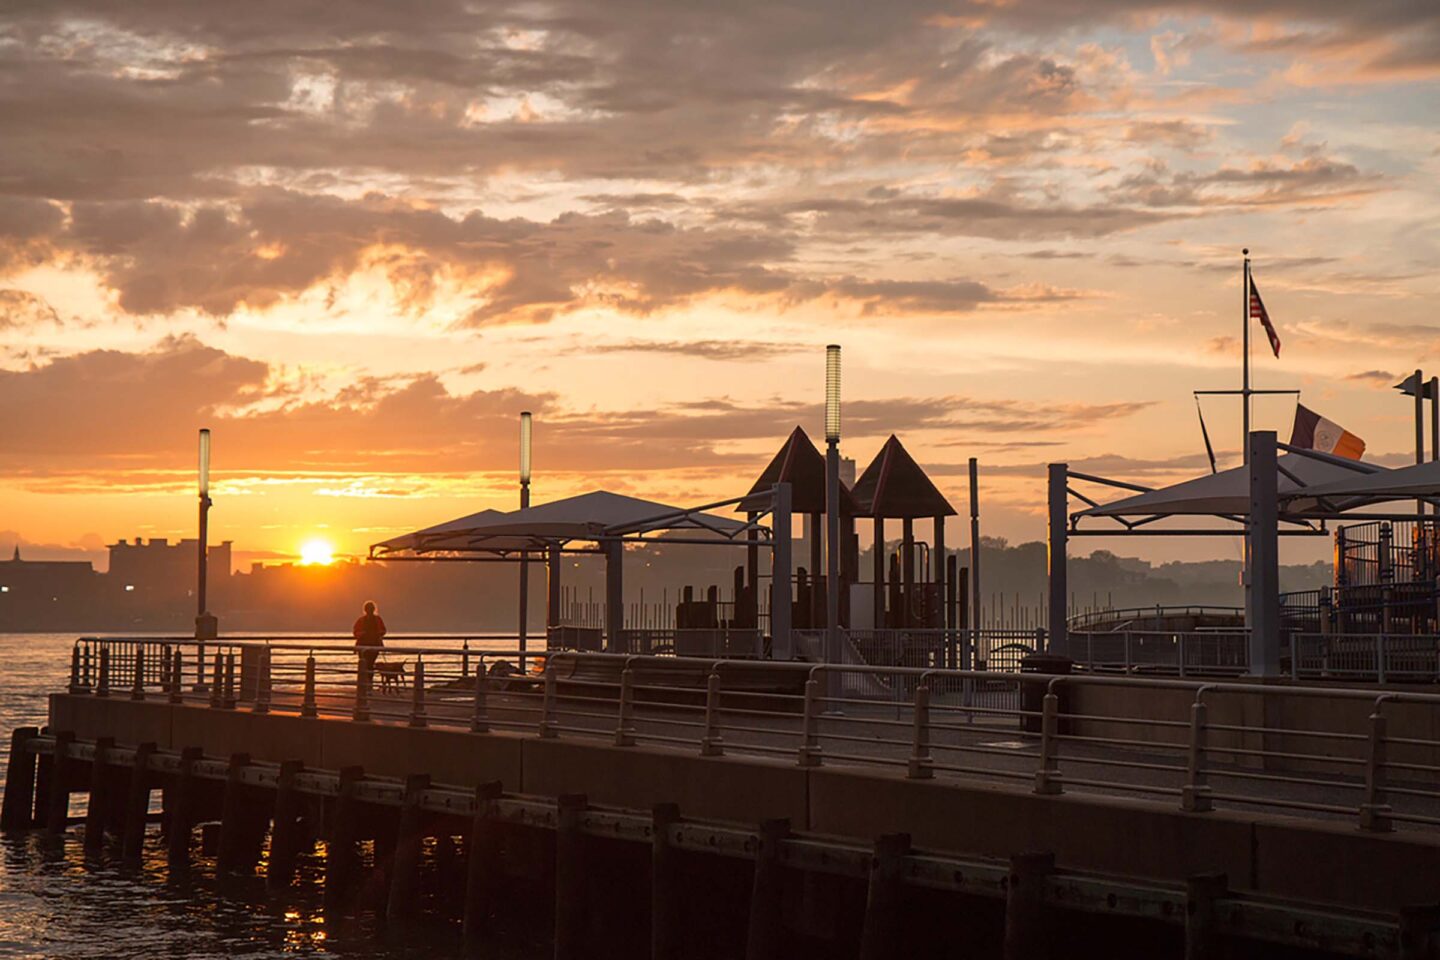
(803, 467)
(895, 486)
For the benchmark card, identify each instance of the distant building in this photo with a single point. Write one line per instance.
(36, 594)
(157, 572)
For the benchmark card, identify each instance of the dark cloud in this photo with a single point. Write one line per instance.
(1376, 378)
(700, 349)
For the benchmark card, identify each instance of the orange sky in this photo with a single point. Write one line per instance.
(357, 250)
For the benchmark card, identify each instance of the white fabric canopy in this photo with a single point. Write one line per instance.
(585, 517)
(1401, 483)
(1226, 492)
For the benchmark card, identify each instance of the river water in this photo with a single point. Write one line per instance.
(56, 903)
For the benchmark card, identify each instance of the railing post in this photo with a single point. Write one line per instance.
(1380, 658)
(712, 743)
(200, 668)
(177, 666)
(919, 767)
(217, 678)
(137, 687)
(262, 685)
(102, 688)
(809, 755)
(1180, 651)
(75, 686)
(308, 705)
(547, 705)
(625, 720)
(480, 717)
(1046, 780)
(418, 717)
(363, 676)
(1127, 652)
(1375, 811)
(465, 659)
(1195, 795)
(230, 701)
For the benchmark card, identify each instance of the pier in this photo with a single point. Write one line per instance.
(1211, 809)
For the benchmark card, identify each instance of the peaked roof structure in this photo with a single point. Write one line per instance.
(893, 485)
(1228, 492)
(802, 466)
(587, 516)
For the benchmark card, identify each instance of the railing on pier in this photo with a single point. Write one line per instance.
(1216, 653)
(1373, 756)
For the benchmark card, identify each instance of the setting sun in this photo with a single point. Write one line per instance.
(316, 551)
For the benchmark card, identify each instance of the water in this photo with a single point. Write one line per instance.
(56, 904)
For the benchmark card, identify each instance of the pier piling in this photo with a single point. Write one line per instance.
(570, 902)
(16, 813)
(482, 867)
(665, 892)
(137, 804)
(1027, 935)
(881, 936)
(764, 937)
(1202, 938)
(180, 811)
(238, 849)
(342, 862)
(97, 813)
(285, 831)
(404, 895)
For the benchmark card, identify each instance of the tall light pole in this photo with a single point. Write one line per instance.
(206, 626)
(832, 503)
(526, 428)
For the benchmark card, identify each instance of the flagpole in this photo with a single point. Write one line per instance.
(1245, 385)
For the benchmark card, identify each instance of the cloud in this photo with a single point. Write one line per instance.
(1376, 378)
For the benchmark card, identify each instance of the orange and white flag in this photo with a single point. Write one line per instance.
(1314, 432)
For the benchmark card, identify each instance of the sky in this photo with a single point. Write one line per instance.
(356, 240)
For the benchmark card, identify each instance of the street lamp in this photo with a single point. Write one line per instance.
(207, 627)
(832, 504)
(526, 429)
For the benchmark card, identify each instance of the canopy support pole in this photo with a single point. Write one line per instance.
(781, 565)
(615, 596)
(1262, 541)
(1057, 640)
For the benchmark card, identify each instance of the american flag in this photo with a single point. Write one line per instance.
(1258, 312)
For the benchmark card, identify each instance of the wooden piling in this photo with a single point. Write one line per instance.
(234, 819)
(570, 904)
(883, 932)
(97, 813)
(58, 808)
(342, 861)
(285, 836)
(666, 895)
(1202, 938)
(482, 868)
(765, 936)
(404, 895)
(18, 806)
(180, 812)
(44, 787)
(1027, 934)
(137, 804)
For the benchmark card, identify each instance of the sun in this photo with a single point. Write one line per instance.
(316, 551)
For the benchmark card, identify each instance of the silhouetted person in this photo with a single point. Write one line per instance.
(369, 639)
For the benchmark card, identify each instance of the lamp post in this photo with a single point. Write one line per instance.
(206, 625)
(526, 429)
(832, 504)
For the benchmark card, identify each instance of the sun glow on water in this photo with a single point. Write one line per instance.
(316, 552)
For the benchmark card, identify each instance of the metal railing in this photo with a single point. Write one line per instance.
(1379, 657)
(1342, 752)
(1222, 652)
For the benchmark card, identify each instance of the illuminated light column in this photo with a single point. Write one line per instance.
(526, 429)
(832, 504)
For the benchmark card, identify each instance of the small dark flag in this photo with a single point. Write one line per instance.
(1258, 312)
(1209, 450)
(1314, 432)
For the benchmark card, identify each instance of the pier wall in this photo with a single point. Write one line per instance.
(1302, 859)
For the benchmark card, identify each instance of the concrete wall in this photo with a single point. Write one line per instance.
(1286, 857)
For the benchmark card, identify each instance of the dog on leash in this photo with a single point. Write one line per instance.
(391, 675)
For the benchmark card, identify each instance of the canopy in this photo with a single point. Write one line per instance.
(1401, 483)
(1228, 492)
(589, 516)
(802, 466)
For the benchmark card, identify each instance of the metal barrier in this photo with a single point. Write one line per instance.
(1223, 652)
(1200, 744)
(1384, 658)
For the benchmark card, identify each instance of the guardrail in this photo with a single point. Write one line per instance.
(1221, 652)
(1198, 743)
(1381, 657)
